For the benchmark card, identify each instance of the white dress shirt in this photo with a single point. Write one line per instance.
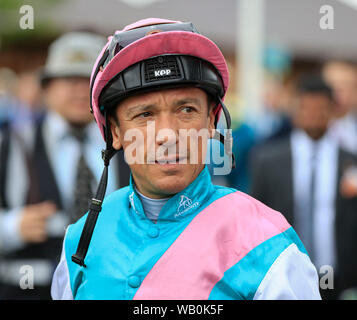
(325, 192)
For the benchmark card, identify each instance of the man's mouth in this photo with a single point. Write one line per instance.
(171, 160)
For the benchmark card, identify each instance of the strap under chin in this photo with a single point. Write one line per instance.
(96, 204)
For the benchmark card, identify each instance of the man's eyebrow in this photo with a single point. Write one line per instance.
(186, 101)
(139, 108)
(147, 107)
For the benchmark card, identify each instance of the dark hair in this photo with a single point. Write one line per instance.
(315, 84)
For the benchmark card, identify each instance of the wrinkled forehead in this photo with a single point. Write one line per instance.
(168, 97)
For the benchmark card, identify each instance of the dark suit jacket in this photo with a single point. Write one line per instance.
(272, 183)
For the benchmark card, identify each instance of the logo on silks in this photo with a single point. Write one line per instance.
(185, 205)
(131, 199)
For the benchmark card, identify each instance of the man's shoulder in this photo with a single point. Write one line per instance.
(250, 224)
(346, 155)
(247, 210)
(263, 212)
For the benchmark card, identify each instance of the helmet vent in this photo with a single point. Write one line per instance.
(162, 68)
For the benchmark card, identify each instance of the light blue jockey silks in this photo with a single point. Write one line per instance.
(209, 242)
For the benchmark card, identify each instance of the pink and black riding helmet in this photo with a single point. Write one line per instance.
(154, 54)
(148, 55)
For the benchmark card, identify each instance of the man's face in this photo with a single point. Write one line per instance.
(160, 121)
(343, 80)
(313, 114)
(69, 97)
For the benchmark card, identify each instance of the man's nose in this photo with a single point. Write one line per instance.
(80, 85)
(166, 130)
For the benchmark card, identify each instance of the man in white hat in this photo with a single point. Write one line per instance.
(45, 179)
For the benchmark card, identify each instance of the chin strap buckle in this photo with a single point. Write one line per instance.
(78, 260)
(95, 205)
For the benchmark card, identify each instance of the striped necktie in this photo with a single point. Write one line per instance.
(309, 236)
(83, 180)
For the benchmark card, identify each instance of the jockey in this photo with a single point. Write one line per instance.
(172, 234)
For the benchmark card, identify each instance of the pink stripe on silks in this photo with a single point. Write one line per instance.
(215, 240)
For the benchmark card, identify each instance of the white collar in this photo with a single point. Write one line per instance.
(59, 128)
(303, 137)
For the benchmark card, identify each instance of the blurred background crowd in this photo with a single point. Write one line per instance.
(292, 99)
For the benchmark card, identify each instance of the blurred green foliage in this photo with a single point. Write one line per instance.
(13, 4)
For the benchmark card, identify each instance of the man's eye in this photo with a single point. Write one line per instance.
(144, 115)
(188, 109)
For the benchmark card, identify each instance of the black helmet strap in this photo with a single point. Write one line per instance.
(226, 140)
(96, 203)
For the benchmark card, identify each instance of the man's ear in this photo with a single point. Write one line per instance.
(114, 128)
